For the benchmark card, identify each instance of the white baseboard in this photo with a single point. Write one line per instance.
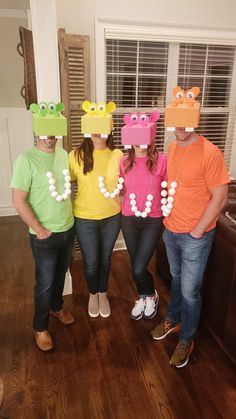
(6, 211)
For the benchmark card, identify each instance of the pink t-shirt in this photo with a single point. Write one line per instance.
(141, 182)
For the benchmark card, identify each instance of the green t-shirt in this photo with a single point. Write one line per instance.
(29, 175)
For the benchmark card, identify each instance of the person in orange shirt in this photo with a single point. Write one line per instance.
(192, 200)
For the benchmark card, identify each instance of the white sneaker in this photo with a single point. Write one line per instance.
(151, 306)
(138, 309)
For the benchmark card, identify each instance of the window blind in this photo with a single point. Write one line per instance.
(136, 74)
(141, 74)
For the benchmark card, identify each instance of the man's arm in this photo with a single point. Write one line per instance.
(19, 200)
(219, 198)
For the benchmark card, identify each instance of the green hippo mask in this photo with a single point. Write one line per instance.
(47, 119)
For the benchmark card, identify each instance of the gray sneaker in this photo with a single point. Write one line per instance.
(151, 306)
(138, 309)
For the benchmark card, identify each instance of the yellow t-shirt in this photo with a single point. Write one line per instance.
(90, 203)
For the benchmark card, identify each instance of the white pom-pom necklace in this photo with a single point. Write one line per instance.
(167, 199)
(115, 192)
(134, 208)
(52, 186)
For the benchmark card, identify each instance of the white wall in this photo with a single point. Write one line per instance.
(11, 68)
(15, 137)
(15, 122)
(77, 16)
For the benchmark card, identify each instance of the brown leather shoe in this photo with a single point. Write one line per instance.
(64, 316)
(43, 340)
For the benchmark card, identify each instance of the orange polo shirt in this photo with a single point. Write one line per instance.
(197, 168)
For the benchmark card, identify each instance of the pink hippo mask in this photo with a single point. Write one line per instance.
(139, 129)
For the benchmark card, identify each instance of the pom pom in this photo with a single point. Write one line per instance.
(51, 181)
(171, 191)
(163, 193)
(173, 184)
(121, 180)
(164, 184)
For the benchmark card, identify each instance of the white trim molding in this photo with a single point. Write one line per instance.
(13, 13)
(153, 31)
(44, 29)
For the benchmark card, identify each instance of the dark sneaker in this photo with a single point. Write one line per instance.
(164, 328)
(181, 354)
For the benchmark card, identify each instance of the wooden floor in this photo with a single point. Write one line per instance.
(100, 368)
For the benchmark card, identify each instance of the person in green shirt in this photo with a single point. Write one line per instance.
(41, 195)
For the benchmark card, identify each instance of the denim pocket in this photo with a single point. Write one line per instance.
(43, 240)
(196, 238)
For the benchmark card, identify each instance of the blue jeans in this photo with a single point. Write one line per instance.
(141, 237)
(52, 259)
(187, 257)
(96, 240)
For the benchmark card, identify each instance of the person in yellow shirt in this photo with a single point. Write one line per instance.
(94, 165)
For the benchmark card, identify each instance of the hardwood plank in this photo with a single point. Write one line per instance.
(100, 368)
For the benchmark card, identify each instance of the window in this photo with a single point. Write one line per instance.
(141, 74)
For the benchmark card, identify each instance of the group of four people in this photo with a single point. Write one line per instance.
(131, 192)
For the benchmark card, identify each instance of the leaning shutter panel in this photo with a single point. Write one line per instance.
(75, 82)
(75, 87)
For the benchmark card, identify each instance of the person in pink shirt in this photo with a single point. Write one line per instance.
(143, 170)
